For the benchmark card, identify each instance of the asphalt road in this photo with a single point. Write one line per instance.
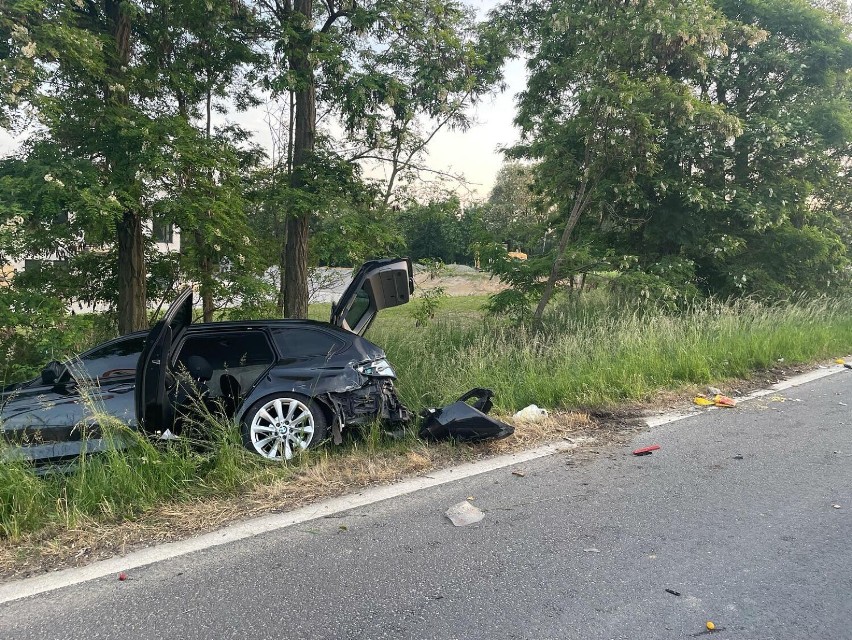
(735, 513)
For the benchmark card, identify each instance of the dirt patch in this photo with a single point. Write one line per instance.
(475, 284)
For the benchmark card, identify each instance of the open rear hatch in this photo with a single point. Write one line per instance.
(379, 284)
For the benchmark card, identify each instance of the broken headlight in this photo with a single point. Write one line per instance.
(377, 368)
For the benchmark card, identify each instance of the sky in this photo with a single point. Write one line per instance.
(473, 153)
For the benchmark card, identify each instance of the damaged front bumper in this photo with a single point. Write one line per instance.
(465, 423)
(374, 401)
(377, 401)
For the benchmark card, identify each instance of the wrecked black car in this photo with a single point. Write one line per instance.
(289, 384)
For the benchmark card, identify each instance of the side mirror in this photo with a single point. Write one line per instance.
(51, 373)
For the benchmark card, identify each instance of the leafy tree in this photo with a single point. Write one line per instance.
(73, 64)
(607, 83)
(123, 94)
(762, 212)
(375, 65)
(513, 213)
(433, 231)
(781, 179)
(207, 60)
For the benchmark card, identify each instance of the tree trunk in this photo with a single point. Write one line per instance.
(131, 274)
(207, 304)
(206, 265)
(296, 270)
(581, 202)
(282, 268)
(205, 269)
(296, 252)
(282, 254)
(132, 297)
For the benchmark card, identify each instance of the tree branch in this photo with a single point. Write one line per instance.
(332, 18)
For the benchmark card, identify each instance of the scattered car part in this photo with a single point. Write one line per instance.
(463, 513)
(724, 401)
(531, 413)
(645, 451)
(463, 422)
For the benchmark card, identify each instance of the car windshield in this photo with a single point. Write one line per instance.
(116, 359)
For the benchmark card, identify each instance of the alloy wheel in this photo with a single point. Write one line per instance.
(281, 428)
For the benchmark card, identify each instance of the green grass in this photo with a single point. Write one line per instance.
(123, 483)
(588, 354)
(593, 354)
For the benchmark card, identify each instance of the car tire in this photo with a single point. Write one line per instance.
(280, 426)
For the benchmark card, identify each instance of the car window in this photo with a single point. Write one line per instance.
(301, 343)
(113, 360)
(228, 350)
(242, 355)
(358, 309)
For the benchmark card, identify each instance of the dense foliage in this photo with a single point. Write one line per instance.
(696, 148)
(682, 148)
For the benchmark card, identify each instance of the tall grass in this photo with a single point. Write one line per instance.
(595, 354)
(588, 353)
(132, 476)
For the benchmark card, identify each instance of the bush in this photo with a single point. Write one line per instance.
(35, 329)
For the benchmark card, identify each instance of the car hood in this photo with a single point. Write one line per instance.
(62, 407)
(40, 408)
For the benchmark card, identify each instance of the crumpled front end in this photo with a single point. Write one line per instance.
(376, 400)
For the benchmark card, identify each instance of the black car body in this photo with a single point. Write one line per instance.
(288, 383)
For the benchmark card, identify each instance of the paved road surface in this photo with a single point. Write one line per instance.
(753, 544)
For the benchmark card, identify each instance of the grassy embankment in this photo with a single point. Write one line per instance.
(589, 355)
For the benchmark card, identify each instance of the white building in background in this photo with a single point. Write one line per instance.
(165, 235)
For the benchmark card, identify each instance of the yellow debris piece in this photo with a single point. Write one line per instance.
(701, 401)
(840, 361)
(710, 626)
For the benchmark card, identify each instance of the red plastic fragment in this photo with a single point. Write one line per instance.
(122, 576)
(646, 451)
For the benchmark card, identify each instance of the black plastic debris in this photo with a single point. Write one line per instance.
(464, 422)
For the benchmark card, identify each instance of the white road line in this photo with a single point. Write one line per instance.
(795, 381)
(240, 531)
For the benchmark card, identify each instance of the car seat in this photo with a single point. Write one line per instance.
(231, 390)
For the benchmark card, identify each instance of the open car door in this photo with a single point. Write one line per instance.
(379, 284)
(153, 409)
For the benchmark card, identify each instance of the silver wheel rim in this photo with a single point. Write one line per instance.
(281, 428)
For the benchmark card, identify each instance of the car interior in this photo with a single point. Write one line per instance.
(222, 367)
